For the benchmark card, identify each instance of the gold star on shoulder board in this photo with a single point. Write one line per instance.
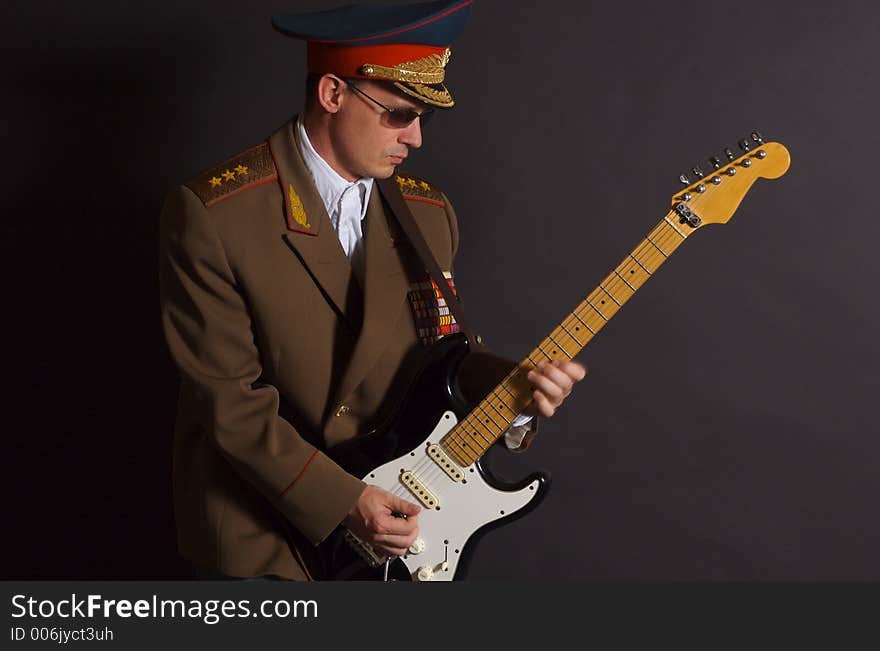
(411, 183)
(228, 176)
(215, 181)
(241, 169)
(425, 186)
(400, 180)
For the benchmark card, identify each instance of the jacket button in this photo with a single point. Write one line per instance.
(344, 409)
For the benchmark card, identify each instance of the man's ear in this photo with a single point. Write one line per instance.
(330, 92)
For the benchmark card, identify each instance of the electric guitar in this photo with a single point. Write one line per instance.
(431, 450)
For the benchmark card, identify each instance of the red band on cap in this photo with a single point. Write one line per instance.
(347, 61)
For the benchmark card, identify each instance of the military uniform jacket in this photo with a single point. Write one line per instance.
(282, 351)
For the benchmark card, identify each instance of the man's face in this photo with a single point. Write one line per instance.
(366, 145)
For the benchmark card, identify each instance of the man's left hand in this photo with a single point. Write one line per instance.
(553, 382)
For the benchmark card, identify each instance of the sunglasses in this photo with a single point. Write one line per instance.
(397, 118)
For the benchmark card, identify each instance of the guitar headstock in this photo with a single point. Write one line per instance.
(714, 197)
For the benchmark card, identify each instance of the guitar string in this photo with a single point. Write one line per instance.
(664, 234)
(462, 440)
(667, 234)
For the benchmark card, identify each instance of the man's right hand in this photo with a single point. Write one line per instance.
(372, 521)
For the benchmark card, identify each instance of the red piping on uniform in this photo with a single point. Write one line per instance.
(408, 28)
(311, 458)
(433, 202)
(255, 184)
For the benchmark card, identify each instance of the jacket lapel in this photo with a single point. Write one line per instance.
(309, 233)
(385, 289)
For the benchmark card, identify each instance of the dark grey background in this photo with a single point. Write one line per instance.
(727, 428)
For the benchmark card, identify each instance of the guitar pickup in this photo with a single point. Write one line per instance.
(419, 490)
(445, 462)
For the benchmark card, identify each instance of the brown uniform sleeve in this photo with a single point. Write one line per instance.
(208, 329)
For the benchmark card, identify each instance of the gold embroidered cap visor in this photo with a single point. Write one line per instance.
(421, 78)
(407, 45)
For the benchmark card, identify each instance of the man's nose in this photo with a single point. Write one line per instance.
(411, 136)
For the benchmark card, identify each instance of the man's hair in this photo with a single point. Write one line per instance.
(311, 89)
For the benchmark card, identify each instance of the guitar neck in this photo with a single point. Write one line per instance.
(476, 433)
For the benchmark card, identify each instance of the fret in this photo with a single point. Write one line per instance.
(503, 385)
(586, 325)
(648, 257)
(569, 346)
(491, 418)
(673, 224)
(534, 363)
(609, 307)
(600, 312)
(665, 255)
(498, 411)
(634, 273)
(555, 347)
(475, 425)
(569, 333)
(594, 313)
(667, 236)
(488, 419)
(473, 452)
(503, 409)
(605, 291)
(640, 264)
(461, 457)
(617, 288)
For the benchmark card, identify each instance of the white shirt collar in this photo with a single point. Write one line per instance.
(329, 184)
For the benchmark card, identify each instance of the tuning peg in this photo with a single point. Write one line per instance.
(744, 144)
(715, 162)
(756, 136)
(698, 172)
(684, 179)
(729, 153)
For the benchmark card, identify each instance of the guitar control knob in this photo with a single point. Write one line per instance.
(425, 573)
(417, 547)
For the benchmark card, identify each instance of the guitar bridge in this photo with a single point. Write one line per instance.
(364, 550)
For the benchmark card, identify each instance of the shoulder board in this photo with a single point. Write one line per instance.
(415, 189)
(247, 170)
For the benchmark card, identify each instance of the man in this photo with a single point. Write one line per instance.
(284, 287)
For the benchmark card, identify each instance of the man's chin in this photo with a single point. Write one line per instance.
(385, 172)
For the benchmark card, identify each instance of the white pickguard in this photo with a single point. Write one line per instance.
(464, 506)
